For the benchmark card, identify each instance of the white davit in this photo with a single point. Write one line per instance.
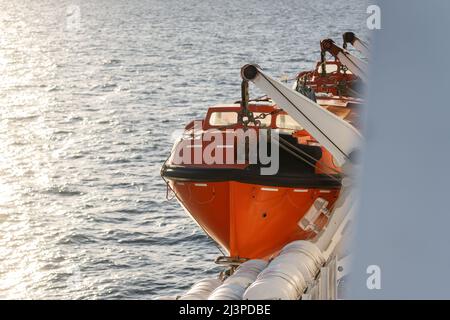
(358, 44)
(338, 136)
(353, 63)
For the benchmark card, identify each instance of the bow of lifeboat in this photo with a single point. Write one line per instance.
(250, 214)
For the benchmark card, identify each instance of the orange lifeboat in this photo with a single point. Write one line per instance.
(250, 214)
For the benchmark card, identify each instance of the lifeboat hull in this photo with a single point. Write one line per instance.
(251, 220)
(248, 213)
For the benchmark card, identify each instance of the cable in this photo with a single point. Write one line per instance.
(306, 161)
(324, 166)
(323, 133)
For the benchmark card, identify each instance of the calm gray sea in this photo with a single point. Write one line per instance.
(90, 95)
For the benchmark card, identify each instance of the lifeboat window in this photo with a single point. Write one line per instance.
(223, 118)
(266, 122)
(285, 121)
(330, 68)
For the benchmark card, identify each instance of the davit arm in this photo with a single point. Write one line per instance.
(355, 65)
(358, 44)
(339, 137)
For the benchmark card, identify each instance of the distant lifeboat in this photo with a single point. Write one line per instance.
(250, 214)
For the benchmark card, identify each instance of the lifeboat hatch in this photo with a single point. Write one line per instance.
(308, 222)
